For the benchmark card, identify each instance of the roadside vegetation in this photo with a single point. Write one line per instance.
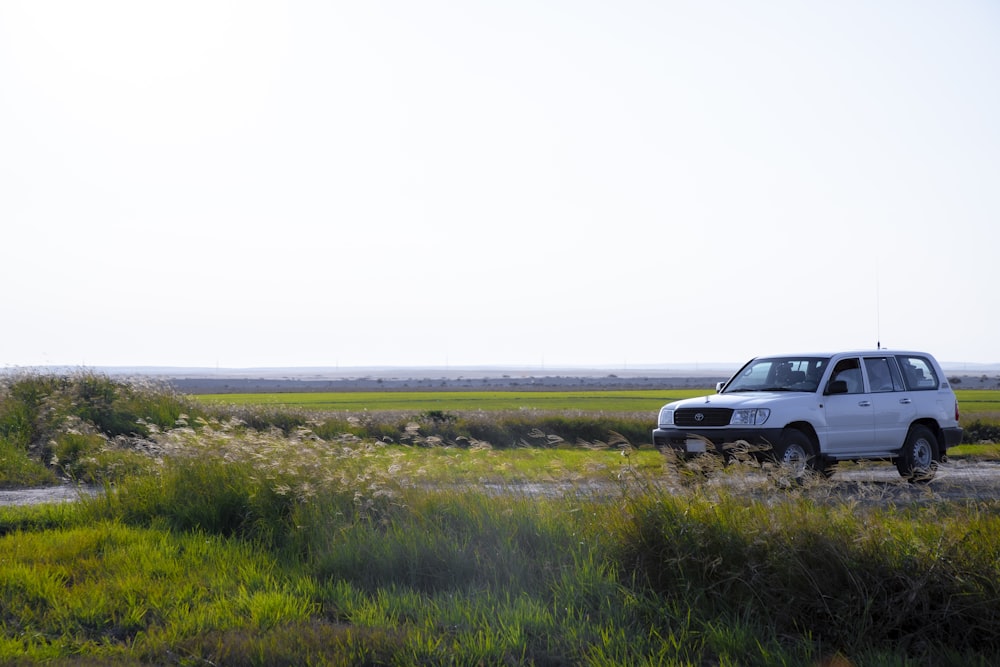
(243, 536)
(645, 400)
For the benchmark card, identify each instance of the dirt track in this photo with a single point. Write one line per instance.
(47, 494)
(869, 483)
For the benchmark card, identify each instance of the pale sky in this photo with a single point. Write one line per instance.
(543, 183)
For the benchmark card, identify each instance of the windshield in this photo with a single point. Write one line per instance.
(779, 374)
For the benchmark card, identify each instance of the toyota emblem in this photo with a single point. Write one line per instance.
(699, 417)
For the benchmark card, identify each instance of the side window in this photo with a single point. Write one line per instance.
(882, 374)
(918, 373)
(897, 380)
(849, 370)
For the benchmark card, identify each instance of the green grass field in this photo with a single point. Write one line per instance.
(978, 401)
(421, 401)
(971, 401)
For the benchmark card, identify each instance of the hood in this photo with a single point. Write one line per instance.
(748, 399)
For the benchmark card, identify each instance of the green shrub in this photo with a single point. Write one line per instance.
(204, 493)
(262, 418)
(978, 431)
(79, 425)
(16, 423)
(27, 415)
(500, 430)
(190, 494)
(91, 458)
(520, 429)
(74, 454)
(18, 469)
(118, 407)
(448, 541)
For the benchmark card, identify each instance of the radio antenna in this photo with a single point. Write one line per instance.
(878, 312)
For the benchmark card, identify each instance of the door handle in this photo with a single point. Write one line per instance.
(864, 404)
(905, 401)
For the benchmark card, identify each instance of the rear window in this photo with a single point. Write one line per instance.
(918, 373)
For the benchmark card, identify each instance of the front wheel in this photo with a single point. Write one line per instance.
(917, 460)
(795, 452)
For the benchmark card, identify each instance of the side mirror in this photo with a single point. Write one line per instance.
(836, 387)
(719, 386)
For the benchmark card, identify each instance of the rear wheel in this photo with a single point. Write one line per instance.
(917, 460)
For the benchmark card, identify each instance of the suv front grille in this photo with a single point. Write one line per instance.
(703, 416)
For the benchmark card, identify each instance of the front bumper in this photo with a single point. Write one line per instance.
(697, 441)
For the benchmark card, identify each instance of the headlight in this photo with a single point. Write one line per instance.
(749, 417)
(666, 417)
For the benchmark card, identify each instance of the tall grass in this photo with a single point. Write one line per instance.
(238, 542)
(239, 546)
(500, 428)
(903, 578)
(84, 427)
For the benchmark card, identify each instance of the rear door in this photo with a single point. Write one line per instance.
(894, 410)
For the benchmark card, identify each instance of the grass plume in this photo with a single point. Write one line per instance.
(282, 545)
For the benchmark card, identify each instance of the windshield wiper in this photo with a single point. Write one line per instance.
(749, 389)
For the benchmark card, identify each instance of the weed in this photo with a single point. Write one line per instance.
(300, 543)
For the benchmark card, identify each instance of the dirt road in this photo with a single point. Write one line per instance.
(870, 483)
(48, 494)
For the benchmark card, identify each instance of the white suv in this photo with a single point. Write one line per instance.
(816, 409)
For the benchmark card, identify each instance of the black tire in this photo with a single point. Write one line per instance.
(796, 452)
(918, 458)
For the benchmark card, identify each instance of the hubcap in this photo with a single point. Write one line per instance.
(922, 454)
(795, 458)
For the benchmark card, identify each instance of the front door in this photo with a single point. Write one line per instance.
(850, 417)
